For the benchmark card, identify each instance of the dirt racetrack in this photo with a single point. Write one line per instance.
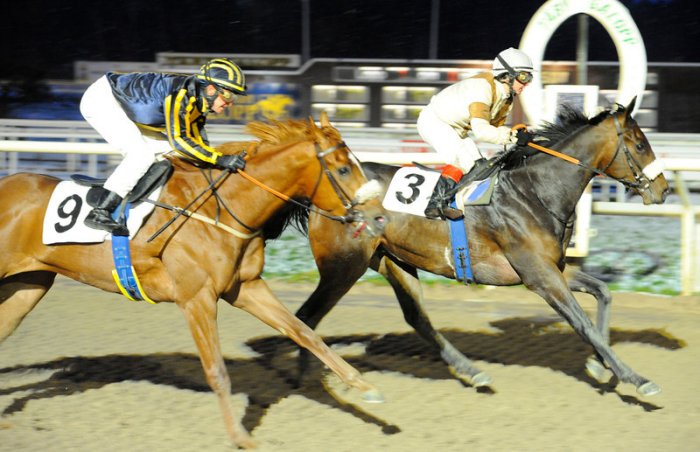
(89, 371)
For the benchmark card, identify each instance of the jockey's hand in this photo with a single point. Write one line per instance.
(232, 162)
(522, 137)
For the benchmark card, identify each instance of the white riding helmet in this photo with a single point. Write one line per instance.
(516, 59)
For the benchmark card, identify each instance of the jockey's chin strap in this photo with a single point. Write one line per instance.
(347, 201)
(642, 176)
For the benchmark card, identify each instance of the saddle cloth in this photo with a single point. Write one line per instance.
(411, 187)
(63, 220)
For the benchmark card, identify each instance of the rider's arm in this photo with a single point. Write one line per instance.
(182, 123)
(481, 127)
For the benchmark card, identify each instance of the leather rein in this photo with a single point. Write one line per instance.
(321, 154)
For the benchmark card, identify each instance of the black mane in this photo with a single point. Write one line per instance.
(570, 120)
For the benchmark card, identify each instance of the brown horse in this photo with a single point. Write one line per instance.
(521, 237)
(193, 263)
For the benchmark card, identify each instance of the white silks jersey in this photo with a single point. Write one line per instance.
(478, 104)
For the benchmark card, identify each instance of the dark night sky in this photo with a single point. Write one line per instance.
(43, 37)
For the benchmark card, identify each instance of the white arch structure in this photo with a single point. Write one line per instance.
(616, 20)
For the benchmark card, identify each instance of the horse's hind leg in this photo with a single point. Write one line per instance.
(584, 283)
(407, 288)
(18, 296)
(257, 299)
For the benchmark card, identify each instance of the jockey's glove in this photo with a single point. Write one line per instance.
(232, 162)
(522, 137)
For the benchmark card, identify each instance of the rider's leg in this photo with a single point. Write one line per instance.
(100, 217)
(438, 206)
(456, 151)
(105, 115)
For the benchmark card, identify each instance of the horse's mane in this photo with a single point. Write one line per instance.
(569, 122)
(273, 132)
(279, 132)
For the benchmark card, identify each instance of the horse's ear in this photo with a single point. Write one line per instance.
(312, 122)
(630, 107)
(325, 122)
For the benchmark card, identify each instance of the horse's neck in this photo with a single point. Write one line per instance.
(558, 184)
(278, 168)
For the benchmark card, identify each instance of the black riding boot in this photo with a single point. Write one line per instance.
(100, 217)
(438, 206)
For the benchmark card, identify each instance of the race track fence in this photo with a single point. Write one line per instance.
(65, 147)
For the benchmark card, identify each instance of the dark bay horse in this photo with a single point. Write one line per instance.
(520, 238)
(193, 263)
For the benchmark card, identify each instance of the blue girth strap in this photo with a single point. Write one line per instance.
(124, 274)
(460, 249)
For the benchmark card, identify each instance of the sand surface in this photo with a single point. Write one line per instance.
(90, 371)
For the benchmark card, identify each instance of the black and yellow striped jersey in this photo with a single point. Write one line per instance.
(172, 103)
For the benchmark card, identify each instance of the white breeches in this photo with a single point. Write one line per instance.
(103, 112)
(457, 151)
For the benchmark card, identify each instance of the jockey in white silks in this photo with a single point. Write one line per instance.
(477, 106)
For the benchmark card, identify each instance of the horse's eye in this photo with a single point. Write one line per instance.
(640, 147)
(344, 170)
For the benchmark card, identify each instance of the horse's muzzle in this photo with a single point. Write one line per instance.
(373, 227)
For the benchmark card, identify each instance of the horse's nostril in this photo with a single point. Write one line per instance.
(380, 221)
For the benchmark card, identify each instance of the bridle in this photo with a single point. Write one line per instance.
(643, 177)
(350, 216)
(349, 203)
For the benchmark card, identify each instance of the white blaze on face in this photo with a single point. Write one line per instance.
(653, 169)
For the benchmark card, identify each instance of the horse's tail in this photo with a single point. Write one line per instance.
(291, 214)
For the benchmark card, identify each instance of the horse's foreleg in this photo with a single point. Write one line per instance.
(257, 299)
(201, 319)
(584, 283)
(548, 282)
(18, 296)
(404, 281)
(338, 274)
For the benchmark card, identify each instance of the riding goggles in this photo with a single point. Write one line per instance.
(524, 77)
(226, 95)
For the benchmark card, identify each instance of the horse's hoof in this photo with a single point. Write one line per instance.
(246, 442)
(597, 371)
(648, 389)
(373, 396)
(479, 380)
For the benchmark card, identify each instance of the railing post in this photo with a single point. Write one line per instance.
(688, 252)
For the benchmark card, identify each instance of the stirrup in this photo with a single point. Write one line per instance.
(104, 222)
(452, 214)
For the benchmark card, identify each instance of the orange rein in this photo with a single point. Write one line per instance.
(552, 152)
(263, 186)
